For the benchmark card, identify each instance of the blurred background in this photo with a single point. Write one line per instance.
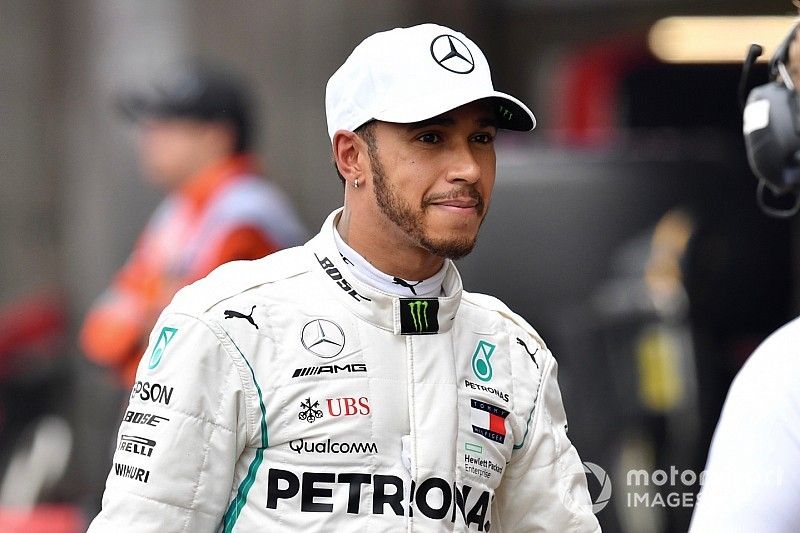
(625, 228)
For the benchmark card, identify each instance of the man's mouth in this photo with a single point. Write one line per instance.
(459, 202)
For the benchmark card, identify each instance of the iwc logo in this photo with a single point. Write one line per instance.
(323, 338)
(452, 54)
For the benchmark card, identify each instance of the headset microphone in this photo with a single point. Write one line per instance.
(771, 126)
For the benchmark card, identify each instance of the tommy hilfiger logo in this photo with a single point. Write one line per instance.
(488, 420)
(419, 316)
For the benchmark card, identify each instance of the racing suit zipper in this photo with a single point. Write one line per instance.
(412, 422)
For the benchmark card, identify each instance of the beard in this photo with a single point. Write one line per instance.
(411, 220)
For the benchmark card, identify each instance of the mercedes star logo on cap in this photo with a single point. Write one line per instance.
(452, 54)
(323, 338)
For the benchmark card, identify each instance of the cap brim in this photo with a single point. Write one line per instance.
(135, 107)
(511, 113)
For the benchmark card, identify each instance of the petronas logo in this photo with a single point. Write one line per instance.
(164, 339)
(481, 365)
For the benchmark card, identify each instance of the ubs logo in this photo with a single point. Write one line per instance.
(348, 406)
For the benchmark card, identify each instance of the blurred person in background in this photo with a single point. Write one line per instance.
(351, 384)
(752, 475)
(195, 136)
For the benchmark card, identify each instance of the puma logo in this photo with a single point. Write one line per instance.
(404, 283)
(237, 314)
(522, 343)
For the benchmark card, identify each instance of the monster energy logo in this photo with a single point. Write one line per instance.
(418, 310)
(419, 316)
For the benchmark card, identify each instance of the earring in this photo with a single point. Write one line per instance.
(355, 183)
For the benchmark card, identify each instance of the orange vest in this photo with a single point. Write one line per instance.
(224, 213)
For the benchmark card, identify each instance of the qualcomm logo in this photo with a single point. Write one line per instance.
(323, 338)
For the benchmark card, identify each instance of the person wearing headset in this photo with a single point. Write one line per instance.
(752, 476)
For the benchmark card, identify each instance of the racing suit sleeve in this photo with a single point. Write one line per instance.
(544, 487)
(182, 432)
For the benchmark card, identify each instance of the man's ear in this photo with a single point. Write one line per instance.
(350, 155)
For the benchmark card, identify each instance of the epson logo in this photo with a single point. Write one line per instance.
(434, 497)
(152, 392)
(329, 369)
(334, 273)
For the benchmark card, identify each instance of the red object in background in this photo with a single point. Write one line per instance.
(31, 326)
(587, 89)
(42, 519)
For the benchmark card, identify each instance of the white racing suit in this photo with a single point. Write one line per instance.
(282, 395)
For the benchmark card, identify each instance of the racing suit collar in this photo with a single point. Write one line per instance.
(386, 311)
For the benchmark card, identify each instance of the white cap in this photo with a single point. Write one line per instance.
(411, 74)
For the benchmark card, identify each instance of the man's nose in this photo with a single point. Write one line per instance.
(463, 164)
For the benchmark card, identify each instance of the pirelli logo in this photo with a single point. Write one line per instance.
(136, 444)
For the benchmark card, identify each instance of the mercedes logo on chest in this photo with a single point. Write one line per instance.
(452, 54)
(323, 338)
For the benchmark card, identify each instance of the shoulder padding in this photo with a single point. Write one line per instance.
(236, 277)
(492, 304)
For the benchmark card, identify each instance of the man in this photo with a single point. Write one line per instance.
(351, 384)
(195, 135)
(752, 476)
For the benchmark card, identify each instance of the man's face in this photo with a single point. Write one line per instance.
(172, 149)
(433, 180)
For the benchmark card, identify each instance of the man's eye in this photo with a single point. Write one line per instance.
(483, 138)
(429, 138)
